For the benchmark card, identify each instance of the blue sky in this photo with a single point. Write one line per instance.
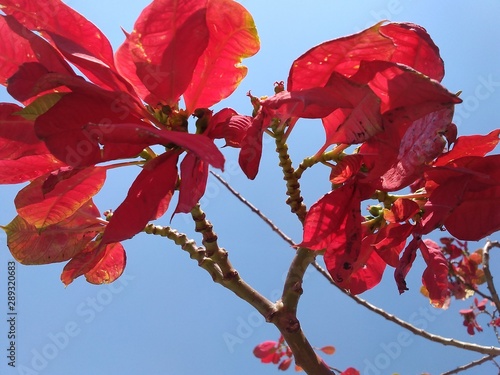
(166, 316)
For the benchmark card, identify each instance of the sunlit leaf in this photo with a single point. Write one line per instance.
(110, 267)
(194, 175)
(56, 243)
(39, 106)
(435, 276)
(42, 208)
(233, 37)
(58, 18)
(143, 59)
(395, 42)
(27, 168)
(156, 181)
(63, 129)
(19, 45)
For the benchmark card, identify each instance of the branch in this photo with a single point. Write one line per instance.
(286, 316)
(469, 365)
(490, 350)
(221, 270)
(295, 200)
(487, 273)
(254, 209)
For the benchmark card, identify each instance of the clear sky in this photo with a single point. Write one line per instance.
(166, 316)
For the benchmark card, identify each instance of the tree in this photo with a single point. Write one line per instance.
(363, 114)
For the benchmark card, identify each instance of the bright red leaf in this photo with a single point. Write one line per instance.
(435, 276)
(57, 18)
(41, 207)
(194, 175)
(63, 129)
(57, 242)
(334, 221)
(396, 42)
(156, 181)
(110, 266)
(219, 71)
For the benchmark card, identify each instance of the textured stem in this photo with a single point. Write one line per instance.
(218, 270)
(469, 365)
(286, 316)
(487, 273)
(292, 182)
(490, 350)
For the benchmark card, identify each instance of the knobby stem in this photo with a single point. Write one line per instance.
(286, 316)
(487, 272)
(295, 200)
(230, 280)
(282, 314)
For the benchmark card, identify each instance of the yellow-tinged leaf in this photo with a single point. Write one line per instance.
(50, 200)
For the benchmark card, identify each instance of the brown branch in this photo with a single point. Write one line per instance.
(490, 350)
(487, 273)
(286, 316)
(469, 365)
(295, 199)
(230, 280)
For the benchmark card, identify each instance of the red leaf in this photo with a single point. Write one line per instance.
(63, 129)
(57, 18)
(170, 78)
(156, 181)
(404, 209)
(391, 240)
(264, 349)
(328, 349)
(27, 168)
(17, 135)
(73, 190)
(143, 58)
(233, 36)
(142, 135)
(110, 267)
(356, 122)
(285, 364)
(343, 55)
(399, 86)
(194, 175)
(19, 45)
(415, 48)
(346, 168)
(477, 216)
(400, 43)
(334, 221)
(350, 371)
(471, 145)
(56, 243)
(463, 196)
(435, 276)
(251, 146)
(227, 124)
(83, 262)
(406, 155)
(405, 263)
(96, 70)
(356, 274)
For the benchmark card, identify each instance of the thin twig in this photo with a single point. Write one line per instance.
(469, 365)
(487, 273)
(254, 209)
(491, 350)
